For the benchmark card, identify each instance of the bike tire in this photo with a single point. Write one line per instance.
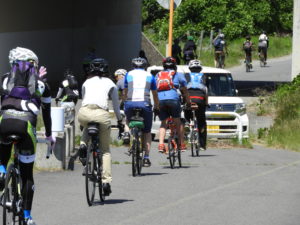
(192, 143)
(139, 156)
(99, 177)
(134, 156)
(90, 176)
(177, 153)
(171, 148)
(196, 141)
(11, 197)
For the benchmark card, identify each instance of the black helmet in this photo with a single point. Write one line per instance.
(98, 66)
(169, 63)
(248, 37)
(139, 63)
(68, 72)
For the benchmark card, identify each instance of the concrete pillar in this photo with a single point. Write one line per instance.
(296, 40)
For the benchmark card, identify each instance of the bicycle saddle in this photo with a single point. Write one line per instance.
(137, 115)
(93, 128)
(13, 138)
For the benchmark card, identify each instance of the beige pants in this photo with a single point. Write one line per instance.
(92, 113)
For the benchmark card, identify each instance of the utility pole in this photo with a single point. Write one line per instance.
(296, 40)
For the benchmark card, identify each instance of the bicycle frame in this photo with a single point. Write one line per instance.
(136, 124)
(93, 169)
(173, 147)
(13, 181)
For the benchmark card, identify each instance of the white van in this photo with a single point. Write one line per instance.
(226, 116)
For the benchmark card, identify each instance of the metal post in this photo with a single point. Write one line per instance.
(200, 43)
(296, 40)
(211, 39)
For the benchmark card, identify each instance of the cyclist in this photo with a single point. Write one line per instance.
(94, 108)
(220, 49)
(189, 50)
(167, 82)
(176, 51)
(68, 88)
(120, 75)
(248, 47)
(138, 84)
(198, 94)
(263, 44)
(23, 94)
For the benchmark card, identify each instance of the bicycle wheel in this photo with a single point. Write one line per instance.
(139, 158)
(134, 156)
(196, 141)
(261, 61)
(99, 177)
(192, 142)
(90, 176)
(171, 146)
(12, 200)
(177, 153)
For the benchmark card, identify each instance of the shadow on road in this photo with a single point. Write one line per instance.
(116, 201)
(111, 202)
(152, 174)
(202, 156)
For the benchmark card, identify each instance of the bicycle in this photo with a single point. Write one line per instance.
(136, 125)
(12, 200)
(173, 144)
(248, 63)
(193, 134)
(93, 168)
(220, 60)
(262, 59)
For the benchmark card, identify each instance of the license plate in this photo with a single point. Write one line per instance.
(213, 129)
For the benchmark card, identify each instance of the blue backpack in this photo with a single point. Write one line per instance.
(195, 81)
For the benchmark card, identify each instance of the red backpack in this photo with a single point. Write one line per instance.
(164, 80)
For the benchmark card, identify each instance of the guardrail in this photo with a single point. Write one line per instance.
(239, 129)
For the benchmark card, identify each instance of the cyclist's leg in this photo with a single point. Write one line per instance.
(265, 54)
(148, 119)
(175, 110)
(216, 58)
(201, 122)
(26, 172)
(26, 157)
(163, 116)
(223, 59)
(103, 118)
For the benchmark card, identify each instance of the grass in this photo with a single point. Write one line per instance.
(279, 46)
(284, 106)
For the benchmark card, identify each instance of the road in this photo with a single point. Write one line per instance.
(278, 69)
(222, 187)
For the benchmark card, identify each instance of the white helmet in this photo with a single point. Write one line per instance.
(120, 72)
(22, 54)
(221, 35)
(195, 64)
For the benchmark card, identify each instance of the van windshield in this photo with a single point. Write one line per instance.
(220, 84)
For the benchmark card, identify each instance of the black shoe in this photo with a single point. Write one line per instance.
(106, 189)
(126, 138)
(82, 154)
(146, 162)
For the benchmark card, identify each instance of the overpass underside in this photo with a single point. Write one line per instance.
(62, 32)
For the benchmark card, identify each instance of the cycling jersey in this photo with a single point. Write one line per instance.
(139, 83)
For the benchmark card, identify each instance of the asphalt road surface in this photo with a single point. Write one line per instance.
(221, 187)
(278, 69)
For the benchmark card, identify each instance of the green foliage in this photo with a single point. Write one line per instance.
(234, 18)
(285, 132)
